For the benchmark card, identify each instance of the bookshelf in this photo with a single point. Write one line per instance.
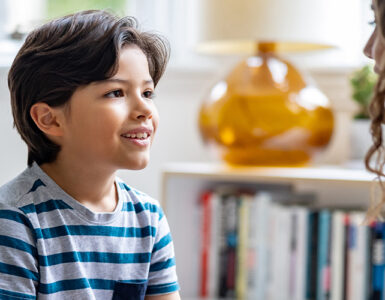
(182, 184)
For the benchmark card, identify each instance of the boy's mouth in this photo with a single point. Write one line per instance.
(140, 136)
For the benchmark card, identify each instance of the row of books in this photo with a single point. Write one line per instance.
(254, 246)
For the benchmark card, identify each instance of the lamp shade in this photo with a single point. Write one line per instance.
(228, 26)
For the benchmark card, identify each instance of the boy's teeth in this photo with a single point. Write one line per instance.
(137, 136)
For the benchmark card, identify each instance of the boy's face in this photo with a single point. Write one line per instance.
(112, 123)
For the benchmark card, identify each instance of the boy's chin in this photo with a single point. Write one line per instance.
(136, 165)
(141, 167)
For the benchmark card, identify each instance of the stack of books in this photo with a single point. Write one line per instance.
(256, 246)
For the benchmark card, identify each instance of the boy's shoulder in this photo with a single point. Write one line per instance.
(139, 199)
(138, 195)
(12, 193)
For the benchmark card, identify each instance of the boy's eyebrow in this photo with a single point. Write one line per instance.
(124, 81)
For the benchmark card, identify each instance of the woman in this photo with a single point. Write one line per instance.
(375, 49)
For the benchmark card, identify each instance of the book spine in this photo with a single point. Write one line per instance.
(286, 234)
(300, 284)
(206, 222)
(231, 233)
(346, 261)
(222, 287)
(260, 240)
(281, 253)
(293, 276)
(360, 262)
(252, 250)
(351, 257)
(337, 256)
(327, 268)
(311, 285)
(273, 253)
(378, 262)
(323, 248)
(369, 261)
(242, 249)
(213, 284)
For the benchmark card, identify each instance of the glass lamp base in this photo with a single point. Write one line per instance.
(264, 113)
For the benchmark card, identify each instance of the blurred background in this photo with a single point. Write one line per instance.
(190, 76)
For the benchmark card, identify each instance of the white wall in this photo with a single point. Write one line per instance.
(13, 153)
(178, 98)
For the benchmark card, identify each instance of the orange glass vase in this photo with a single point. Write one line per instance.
(264, 113)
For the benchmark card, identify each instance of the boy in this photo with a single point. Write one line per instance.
(82, 90)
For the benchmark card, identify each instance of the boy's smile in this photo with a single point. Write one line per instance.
(140, 136)
(112, 122)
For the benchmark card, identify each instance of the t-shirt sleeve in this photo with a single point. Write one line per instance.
(18, 256)
(162, 276)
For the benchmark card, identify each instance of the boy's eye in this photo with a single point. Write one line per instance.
(115, 94)
(149, 94)
(372, 23)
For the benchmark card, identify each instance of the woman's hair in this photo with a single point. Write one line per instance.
(67, 53)
(375, 157)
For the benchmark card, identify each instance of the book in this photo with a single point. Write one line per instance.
(213, 280)
(259, 244)
(312, 257)
(206, 234)
(369, 259)
(300, 259)
(293, 268)
(337, 256)
(222, 253)
(357, 258)
(280, 266)
(351, 257)
(323, 286)
(378, 262)
(242, 249)
(327, 270)
(272, 233)
(346, 256)
(228, 245)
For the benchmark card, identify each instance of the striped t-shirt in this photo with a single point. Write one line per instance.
(52, 247)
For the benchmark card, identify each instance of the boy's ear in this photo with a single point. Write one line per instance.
(47, 118)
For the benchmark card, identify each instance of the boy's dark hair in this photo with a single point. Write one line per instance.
(65, 54)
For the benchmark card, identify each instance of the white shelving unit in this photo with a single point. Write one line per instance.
(183, 182)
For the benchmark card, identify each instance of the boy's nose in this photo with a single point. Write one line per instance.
(142, 109)
(144, 116)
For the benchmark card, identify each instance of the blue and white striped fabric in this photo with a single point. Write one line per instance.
(52, 247)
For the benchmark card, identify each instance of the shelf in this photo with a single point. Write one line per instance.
(183, 183)
(287, 174)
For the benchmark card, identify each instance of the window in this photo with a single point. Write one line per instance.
(56, 8)
(175, 19)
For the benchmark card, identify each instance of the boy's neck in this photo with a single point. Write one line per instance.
(91, 187)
